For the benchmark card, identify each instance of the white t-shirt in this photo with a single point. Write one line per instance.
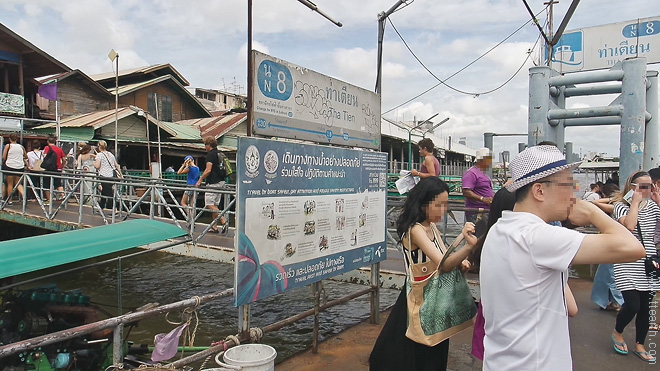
(524, 267)
(591, 196)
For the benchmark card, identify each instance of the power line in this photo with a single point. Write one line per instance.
(443, 82)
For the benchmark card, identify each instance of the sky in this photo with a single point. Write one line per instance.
(206, 41)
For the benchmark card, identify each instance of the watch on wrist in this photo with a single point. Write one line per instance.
(481, 199)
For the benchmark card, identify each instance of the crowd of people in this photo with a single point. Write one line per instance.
(523, 255)
(97, 160)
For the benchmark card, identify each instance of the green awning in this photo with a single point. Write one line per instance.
(30, 254)
(81, 134)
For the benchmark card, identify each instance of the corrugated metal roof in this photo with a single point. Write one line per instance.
(216, 126)
(181, 132)
(94, 119)
(140, 70)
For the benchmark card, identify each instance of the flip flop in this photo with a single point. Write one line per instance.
(641, 355)
(213, 230)
(616, 346)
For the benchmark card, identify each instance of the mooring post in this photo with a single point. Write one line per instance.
(117, 345)
(633, 120)
(652, 135)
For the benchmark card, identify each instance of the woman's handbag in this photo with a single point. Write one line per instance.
(651, 262)
(440, 305)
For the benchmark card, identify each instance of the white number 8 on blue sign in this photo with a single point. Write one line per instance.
(274, 80)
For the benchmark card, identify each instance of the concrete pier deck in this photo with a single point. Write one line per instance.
(590, 342)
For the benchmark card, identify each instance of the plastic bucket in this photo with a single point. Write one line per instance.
(249, 357)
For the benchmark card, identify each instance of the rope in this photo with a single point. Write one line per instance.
(187, 316)
(256, 333)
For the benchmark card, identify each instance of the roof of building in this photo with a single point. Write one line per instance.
(216, 126)
(150, 72)
(127, 89)
(84, 78)
(36, 62)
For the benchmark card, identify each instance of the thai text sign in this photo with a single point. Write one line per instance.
(601, 47)
(12, 103)
(294, 102)
(305, 213)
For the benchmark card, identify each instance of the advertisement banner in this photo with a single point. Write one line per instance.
(602, 47)
(290, 101)
(305, 213)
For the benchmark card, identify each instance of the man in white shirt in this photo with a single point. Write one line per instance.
(525, 262)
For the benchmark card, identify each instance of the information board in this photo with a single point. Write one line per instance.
(601, 47)
(290, 101)
(305, 213)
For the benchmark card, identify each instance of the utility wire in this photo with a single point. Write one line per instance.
(443, 82)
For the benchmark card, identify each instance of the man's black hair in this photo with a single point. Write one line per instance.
(654, 174)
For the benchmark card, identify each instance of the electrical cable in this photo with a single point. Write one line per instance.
(443, 82)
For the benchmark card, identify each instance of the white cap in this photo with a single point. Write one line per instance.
(483, 153)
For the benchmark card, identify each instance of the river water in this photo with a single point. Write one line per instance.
(164, 278)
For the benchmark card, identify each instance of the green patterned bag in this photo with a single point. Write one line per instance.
(440, 305)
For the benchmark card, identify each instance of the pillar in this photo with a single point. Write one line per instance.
(633, 123)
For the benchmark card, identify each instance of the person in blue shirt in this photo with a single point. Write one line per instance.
(189, 167)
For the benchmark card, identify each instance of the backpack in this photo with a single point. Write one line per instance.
(224, 165)
(49, 163)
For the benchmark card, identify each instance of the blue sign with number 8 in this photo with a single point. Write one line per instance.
(274, 80)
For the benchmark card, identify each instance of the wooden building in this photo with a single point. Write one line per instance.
(20, 64)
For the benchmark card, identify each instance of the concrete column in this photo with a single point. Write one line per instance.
(651, 137)
(568, 152)
(538, 128)
(488, 140)
(633, 99)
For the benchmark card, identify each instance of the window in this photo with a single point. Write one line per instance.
(151, 104)
(166, 108)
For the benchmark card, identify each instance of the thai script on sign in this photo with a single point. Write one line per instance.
(341, 96)
(321, 160)
(623, 50)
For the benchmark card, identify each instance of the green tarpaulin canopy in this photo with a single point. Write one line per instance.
(39, 252)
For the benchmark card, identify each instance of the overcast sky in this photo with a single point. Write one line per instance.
(206, 42)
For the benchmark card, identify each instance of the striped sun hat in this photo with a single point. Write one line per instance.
(536, 163)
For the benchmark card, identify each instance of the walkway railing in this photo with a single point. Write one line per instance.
(131, 196)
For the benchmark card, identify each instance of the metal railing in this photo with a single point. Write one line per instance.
(131, 197)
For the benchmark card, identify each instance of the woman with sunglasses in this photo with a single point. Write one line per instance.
(636, 207)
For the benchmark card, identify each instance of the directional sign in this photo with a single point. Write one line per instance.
(601, 47)
(294, 102)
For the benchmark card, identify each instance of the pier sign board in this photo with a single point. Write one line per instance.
(305, 213)
(601, 47)
(290, 101)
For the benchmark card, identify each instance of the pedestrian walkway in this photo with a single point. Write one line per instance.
(590, 343)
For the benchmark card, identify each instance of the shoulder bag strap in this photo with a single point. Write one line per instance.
(451, 248)
(639, 230)
(407, 252)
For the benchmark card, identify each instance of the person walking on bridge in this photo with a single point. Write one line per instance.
(523, 282)
(477, 186)
(214, 180)
(430, 165)
(14, 159)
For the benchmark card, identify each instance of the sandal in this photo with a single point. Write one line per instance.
(213, 230)
(619, 347)
(644, 356)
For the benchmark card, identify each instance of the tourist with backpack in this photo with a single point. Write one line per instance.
(215, 173)
(53, 162)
